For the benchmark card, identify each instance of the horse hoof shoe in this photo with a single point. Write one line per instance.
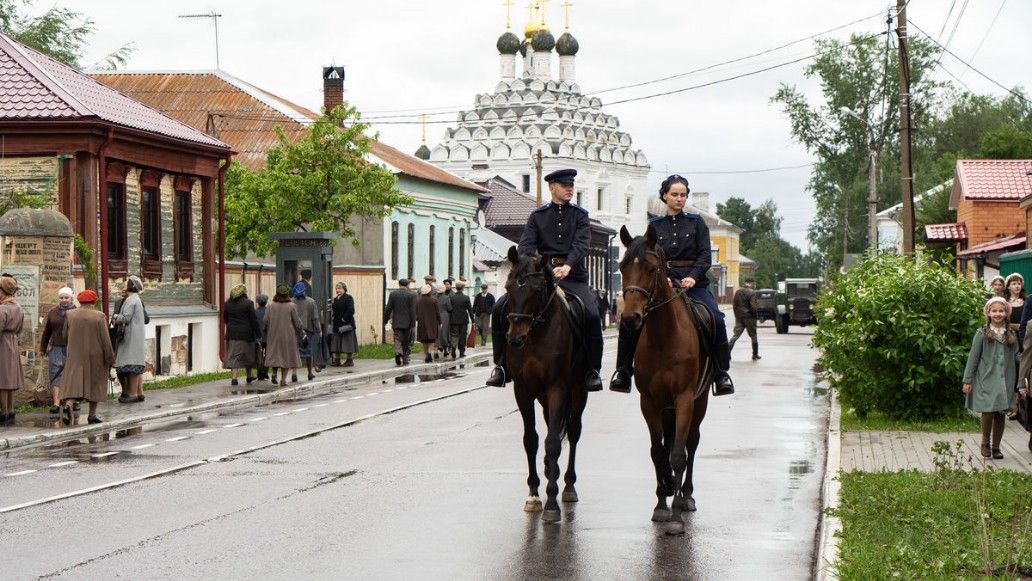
(551, 516)
(570, 496)
(660, 515)
(532, 506)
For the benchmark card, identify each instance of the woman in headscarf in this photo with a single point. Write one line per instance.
(54, 344)
(344, 339)
(282, 330)
(309, 314)
(12, 317)
(130, 356)
(242, 334)
(428, 321)
(90, 357)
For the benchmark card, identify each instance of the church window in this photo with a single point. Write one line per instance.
(580, 198)
(411, 250)
(526, 183)
(462, 251)
(394, 250)
(599, 198)
(432, 248)
(451, 250)
(627, 206)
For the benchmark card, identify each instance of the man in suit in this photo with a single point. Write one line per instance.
(482, 306)
(401, 312)
(461, 315)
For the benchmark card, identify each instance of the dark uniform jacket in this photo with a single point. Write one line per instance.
(462, 310)
(745, 303)
(562, 231)
(483, 303)
(684, 237)
(401, 309)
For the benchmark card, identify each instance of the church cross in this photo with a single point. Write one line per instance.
(566, 6)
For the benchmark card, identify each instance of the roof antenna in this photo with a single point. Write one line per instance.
(215, 17)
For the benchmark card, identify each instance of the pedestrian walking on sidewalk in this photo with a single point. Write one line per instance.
(262, 302)
(400, 311)
(458, 322)
(482, 306)
(428, 321)
(242, 334)
(90, 357)
(309, 313)
(54, 344)
(989, 376)
(745, 316)
(344, 339)
(12, 317)
(283, 330)
(130, 354)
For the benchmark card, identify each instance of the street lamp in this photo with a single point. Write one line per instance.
(872, 194)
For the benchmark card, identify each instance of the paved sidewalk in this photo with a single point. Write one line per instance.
(161, 404)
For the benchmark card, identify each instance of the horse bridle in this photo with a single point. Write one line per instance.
(521, 281)
(650, 296)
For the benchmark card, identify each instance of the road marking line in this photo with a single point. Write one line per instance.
(176, 439)
(281, 414)
(322, 405)
(357, 397)
(231, 426)
(261, 419)
(202, 432)
(339, 401)
(299, 410)
(141, 446)
(105, 454)
(23, 472)
(60, 464)
(176, 405)
(387, 391)
(372, 394)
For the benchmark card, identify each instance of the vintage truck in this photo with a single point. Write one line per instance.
(795, 303)
(765, 307)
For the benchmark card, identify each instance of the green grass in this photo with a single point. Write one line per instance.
(925, 525)
(186, 380)
(877, 421)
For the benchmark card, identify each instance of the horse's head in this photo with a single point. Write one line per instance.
(529, 288)
(644, 273)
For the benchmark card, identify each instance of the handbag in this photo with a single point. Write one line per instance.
(344, 329)
(471, 340)
(1024, 413)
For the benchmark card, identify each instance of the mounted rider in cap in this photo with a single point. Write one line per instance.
(561, 230)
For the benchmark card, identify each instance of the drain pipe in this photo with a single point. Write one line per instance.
(222, 257)
(102, 191)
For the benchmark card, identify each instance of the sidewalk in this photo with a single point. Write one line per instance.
(162, 404)
(870, 451)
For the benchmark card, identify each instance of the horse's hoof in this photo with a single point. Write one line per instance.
(689, 504)
(675, 527)
(551, 516)
(532, 506)
(661, 515)
(570, 496)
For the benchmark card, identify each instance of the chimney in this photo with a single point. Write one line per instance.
(701, 201)
(333, 87)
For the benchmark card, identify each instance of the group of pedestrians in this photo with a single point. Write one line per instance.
(438, 316)
(282, 336)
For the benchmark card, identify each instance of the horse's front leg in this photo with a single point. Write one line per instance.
(694, 435)
(530, 446)
(683, 407)
(553, 447)
(573, 434)
(658, 450)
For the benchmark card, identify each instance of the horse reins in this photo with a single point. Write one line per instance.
(649, 295)
(534, 319)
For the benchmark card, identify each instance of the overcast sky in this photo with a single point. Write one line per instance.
(412, 56)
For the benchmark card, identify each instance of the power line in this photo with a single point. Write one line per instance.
(988, 30)
(733, 172)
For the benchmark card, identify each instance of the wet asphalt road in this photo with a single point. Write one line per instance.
(333, 487)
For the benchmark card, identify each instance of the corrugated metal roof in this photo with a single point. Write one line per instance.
(34, 86)
(1001, 180)
(946, 232)
(507, 206)
(246, 116)
(1015, 241)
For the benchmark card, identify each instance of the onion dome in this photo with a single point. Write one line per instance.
(567, 45)
(543, 41)
(523, 48)
(508, 43)
(423, 152)
(531, 29)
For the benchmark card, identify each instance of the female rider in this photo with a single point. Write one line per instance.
(685, 241)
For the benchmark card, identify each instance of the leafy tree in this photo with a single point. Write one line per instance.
(59, 32)
(858, 78)
(761, 241)
(1007, 142)
(887, 342)
(317, 184)
(740, 213)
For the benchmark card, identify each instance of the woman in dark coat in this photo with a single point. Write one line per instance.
(282, 330)
(242, 334)
(344, 339)
(12, 317)
(428, 321)
(90, 357)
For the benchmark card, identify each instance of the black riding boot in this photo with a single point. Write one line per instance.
(499, 376)
(625, 345)
(722, 381)
(755, 350)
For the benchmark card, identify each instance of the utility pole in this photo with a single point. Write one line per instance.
(906, 170)
(537, 166)
(872, 198)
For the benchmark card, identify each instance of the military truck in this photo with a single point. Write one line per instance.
(795, 303)
(765, 308)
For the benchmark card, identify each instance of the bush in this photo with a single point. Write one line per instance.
(894, 336)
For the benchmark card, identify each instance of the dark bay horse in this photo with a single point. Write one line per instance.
(546, 366)
(669, 371)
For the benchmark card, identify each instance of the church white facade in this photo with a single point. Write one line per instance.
(535, 111)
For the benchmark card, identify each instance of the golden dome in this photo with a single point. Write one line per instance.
(533, 27)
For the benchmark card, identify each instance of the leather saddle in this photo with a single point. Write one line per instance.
(573, 306)
(704, 324)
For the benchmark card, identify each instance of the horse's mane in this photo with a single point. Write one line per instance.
(527, 260)
(636, 251)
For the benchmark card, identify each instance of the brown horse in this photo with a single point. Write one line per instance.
(546, 366)
(669, 371)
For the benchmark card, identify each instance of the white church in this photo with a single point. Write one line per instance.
(533, 110)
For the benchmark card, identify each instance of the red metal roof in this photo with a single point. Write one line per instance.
(35, 87)
(946, 232)
(1015, 241)
(1001, 180)
(246, 116)
(507, 206)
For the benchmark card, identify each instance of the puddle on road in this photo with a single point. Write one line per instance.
(421, 378)
(246, 392)
(796, 470)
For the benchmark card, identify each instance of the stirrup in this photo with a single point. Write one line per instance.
(722, 384)
(621, 381)
(497, 378)
(592, 382)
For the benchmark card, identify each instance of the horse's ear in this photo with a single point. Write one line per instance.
(514, 256)
(542, 261)
(650, 237)
(625, 236)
